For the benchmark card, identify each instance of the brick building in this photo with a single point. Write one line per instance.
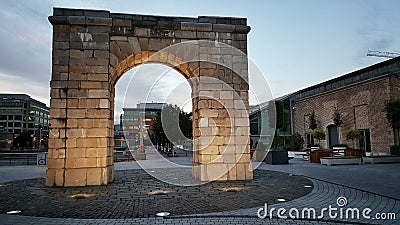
(360, 98)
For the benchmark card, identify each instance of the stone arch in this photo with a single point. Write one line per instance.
(92, 49)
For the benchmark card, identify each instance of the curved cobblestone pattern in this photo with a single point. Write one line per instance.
(325, 194)
(137, 194)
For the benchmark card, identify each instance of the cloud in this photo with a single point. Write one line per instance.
(26, 41)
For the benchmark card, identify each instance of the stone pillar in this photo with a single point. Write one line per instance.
(80, 140)
(221, 125)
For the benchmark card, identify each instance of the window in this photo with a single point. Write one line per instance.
(10, 124)
(10, 117)
(18, 117)
(17, 124)
(3, 117)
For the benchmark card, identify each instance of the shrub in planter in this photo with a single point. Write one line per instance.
(395, 150)
(319, 135)
(353, 135)
(277, 157)
(296, 142)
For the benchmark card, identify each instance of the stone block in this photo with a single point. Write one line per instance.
(74, 153)
(243, 158)
(76, 132)
(241, 171)
(210, 150)
(80, 162)
(96, 152)
(208, 113)
(56, 143)
(207, 72)
(94, 176)
(102, 162)
(57, 113)
(229, 158)
(241, 122)
(50, 177)
(75, 177)
(249, 172)
(216, 170)
(77, 93)
(196, 26)
(55, 177)
(99, 113)
(218, 140)
(204, 159)
(227, 149)
(91, 143)
(242, 140)
(216, 159)
(56, 164)
(97, 132)
(77, 113)
(98, 93)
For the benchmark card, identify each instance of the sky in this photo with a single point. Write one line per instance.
(294, 43)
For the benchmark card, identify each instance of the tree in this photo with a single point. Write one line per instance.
(313, 121)
(319, 135)
(337, 118)
(282, 116)
(164, 126)
(392, 109)
(353, 135)
(23, 140)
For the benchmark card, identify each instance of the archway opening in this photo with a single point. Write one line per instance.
(140, 96)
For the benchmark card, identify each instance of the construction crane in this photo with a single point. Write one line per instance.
(383, 54)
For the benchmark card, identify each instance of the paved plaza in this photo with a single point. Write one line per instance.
(298, 185)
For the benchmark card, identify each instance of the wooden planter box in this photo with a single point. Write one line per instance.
(277, 157)
(315, 156)
(354, 152)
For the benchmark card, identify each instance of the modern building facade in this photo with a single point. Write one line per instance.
(359, 97)
(20, 112)
(142, 116)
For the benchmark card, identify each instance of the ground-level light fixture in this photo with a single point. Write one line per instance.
(163, 214)
(158, 192)
(81, 196)
(13, 212)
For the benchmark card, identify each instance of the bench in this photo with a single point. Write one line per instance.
(304, 155)
(345, 160)
(381, 159)
(299, 154)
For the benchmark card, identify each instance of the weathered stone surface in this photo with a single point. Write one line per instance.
(92, 49)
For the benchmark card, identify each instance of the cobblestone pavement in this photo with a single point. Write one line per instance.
(376, 178)
(325, 193)
(12, 220)
(134, 193)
